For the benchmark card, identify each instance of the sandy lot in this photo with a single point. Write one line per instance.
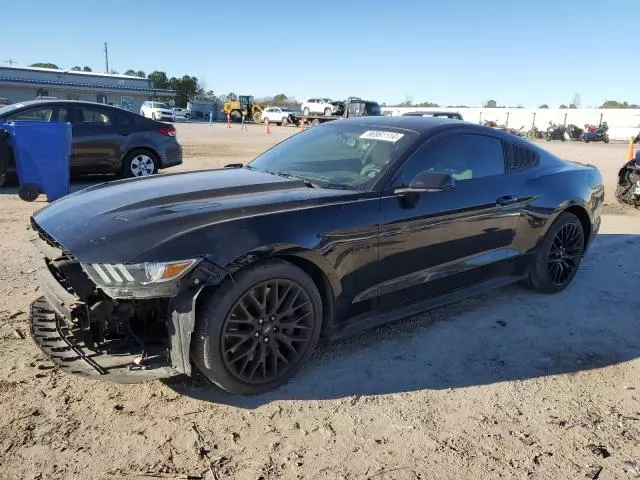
(508, 385)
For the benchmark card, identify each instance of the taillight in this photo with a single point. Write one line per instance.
(169, 131)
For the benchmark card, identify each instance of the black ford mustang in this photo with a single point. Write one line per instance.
(357, 222)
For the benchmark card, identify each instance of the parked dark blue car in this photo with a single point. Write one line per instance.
(106, 139)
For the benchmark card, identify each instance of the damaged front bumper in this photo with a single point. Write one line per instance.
(71, 331)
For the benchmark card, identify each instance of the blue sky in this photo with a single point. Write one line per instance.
(448, 52)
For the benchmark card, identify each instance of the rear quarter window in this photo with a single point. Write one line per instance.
(518, 157)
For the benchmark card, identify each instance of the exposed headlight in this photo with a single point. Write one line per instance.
(140, 280)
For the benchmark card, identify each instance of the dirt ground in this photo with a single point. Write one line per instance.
(512, 384)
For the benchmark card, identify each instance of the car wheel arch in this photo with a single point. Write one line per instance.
(141, 148)
(310, 262)
(582, 214)
(575, 208)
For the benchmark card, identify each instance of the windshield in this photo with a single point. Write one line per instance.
(336, 155)
(161, 105)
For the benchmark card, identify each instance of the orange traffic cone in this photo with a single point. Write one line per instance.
(630, 149)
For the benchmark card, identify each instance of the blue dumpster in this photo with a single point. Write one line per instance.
(42, 152)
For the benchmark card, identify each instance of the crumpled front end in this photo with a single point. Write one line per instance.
(86, 332)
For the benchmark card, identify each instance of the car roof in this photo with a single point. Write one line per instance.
(425, 126)
(35, 103)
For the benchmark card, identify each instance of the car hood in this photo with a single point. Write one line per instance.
(121, 220)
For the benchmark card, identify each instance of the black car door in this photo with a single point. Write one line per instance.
(97, 145)
(435, 241)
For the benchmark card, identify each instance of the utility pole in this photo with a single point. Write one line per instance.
(10, 61)
(106, 56)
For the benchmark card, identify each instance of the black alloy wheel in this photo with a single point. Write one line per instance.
(267, 330)
(565, 254)
(257, 329)
(559, 255)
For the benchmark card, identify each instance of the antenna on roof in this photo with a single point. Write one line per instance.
(10, 61)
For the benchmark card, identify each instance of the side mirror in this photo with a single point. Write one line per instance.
(428, 182)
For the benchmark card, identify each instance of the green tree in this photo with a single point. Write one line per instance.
(186, 89)
(427, 105)
(490, 104)
(86, 69)
(563, 106)
(232, 96)
(544, 105)
(52, 66)
(76, 69)
(280, 98)
(159, 79)
(616, 104)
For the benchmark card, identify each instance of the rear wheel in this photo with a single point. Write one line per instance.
(139, 163)
(306, 111)
(559, 256)
(327, 111)
(254, 333)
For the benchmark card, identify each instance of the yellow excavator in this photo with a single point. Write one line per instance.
(242, 107)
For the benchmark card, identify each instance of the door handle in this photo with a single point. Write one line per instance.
(507, 200)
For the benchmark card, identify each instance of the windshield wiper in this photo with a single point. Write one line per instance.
(289, 175)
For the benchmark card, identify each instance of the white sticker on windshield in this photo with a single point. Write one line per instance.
(383, 136)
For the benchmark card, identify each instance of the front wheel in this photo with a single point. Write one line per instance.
(256, 331)
(306, 111)
(558, 259)
(327, 111)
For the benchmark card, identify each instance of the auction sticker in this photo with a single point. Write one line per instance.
(383, 136)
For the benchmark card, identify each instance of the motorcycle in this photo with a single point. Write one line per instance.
(556, 132)
(628, 188)
(599, 135)
(575, 132)
(535, 132)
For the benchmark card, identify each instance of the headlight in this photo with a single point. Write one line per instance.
(152, 279)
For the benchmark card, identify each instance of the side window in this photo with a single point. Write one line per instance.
(465, 156)
(63, 114)
(93, 117)
(34, 115)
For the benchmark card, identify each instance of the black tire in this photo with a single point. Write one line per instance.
(210, 348)
(130, 158)
(543, 276)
